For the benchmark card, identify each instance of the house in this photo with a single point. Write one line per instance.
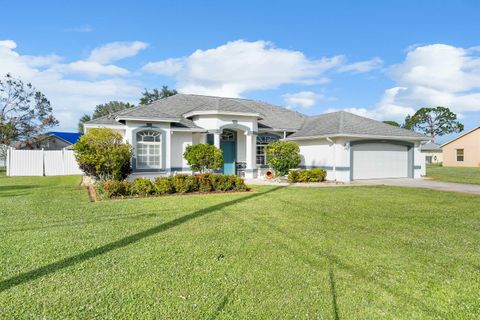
(347, 146)
(433, 152)
(53, 140)
(463, 151)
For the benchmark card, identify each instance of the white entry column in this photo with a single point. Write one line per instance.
(216, 139)
(251, 147)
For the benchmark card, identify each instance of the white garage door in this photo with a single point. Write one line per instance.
(379, 161)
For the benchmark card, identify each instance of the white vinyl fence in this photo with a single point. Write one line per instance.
(41, 163)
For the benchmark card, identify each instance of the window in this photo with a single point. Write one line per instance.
(227, 135)
(459, 154)
(210, 139)
(149, 149)
(262, 141)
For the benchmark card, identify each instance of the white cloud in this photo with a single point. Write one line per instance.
(431, 75)
(240, 66)
(168, 67)
(362, 66)
(115, 51)
(9, 44)
(92, 68)
(302, 99)
(70, 97)
(81, 29)
(435, 75)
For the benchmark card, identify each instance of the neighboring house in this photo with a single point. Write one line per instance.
(463, 151)
(348, 146)
(433, 152)
(53, 140)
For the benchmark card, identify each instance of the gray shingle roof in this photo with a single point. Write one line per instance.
(180, 104)
(271, 116)
(345, 123)
(431, 146)
(108, 119)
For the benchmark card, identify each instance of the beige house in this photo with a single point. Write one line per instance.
(463, 151)
(432, 152)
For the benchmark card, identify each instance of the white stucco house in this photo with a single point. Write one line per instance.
(347, 146)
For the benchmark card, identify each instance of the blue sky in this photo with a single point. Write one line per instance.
(374, 58)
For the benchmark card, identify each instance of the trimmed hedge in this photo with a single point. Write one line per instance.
(179, 183)
(313, 175)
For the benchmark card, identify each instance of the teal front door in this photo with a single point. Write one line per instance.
(228, 150)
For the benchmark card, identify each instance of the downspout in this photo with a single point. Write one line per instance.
(334, 158)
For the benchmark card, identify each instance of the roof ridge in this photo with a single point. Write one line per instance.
(217, 97)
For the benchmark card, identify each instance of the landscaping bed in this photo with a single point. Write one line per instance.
(176, 184)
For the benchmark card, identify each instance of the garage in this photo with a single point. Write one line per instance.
(380, 161)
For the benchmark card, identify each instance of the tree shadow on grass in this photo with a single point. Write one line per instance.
(334, 260)
(223, 303)
(9, 188)
(333, 292)
(9, 191)
(73, 260)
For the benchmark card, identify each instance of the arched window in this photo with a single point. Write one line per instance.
(149, 149)
(227, 135)
(262, 141)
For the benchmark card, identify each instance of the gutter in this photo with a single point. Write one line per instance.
(148, 119)
(358, 136)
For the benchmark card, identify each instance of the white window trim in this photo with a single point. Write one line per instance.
(147, 143)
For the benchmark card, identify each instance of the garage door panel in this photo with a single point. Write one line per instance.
(380, 161)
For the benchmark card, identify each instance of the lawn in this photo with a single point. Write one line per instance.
(276, 252)
(454, 174)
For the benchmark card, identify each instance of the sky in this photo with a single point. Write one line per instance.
(380, 59)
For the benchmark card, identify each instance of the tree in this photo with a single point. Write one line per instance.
(149, 97)
(101, 153)
(434, 122)
(83, 119)
(24, 112)
(104, 109)
(283, 156)
(3, 153)
(392, 123)
(203, 157)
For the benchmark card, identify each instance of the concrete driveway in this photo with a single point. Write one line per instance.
(410, 183)
(423, 183)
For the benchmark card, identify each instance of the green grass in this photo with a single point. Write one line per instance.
(454, 174)
(276, 252)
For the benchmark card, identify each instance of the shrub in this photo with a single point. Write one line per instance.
(101, 153)
(113, 188)
(183, 183)
(319, 174)
(222, 182)
(313, 175)
(142, 187)
(204, 182)
(174, 184)
(283, 156)
(203, 157)
(293, 176)
(164, 185)
(240, 184)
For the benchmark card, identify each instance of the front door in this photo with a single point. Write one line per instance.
(228, 145)
(228, 150)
